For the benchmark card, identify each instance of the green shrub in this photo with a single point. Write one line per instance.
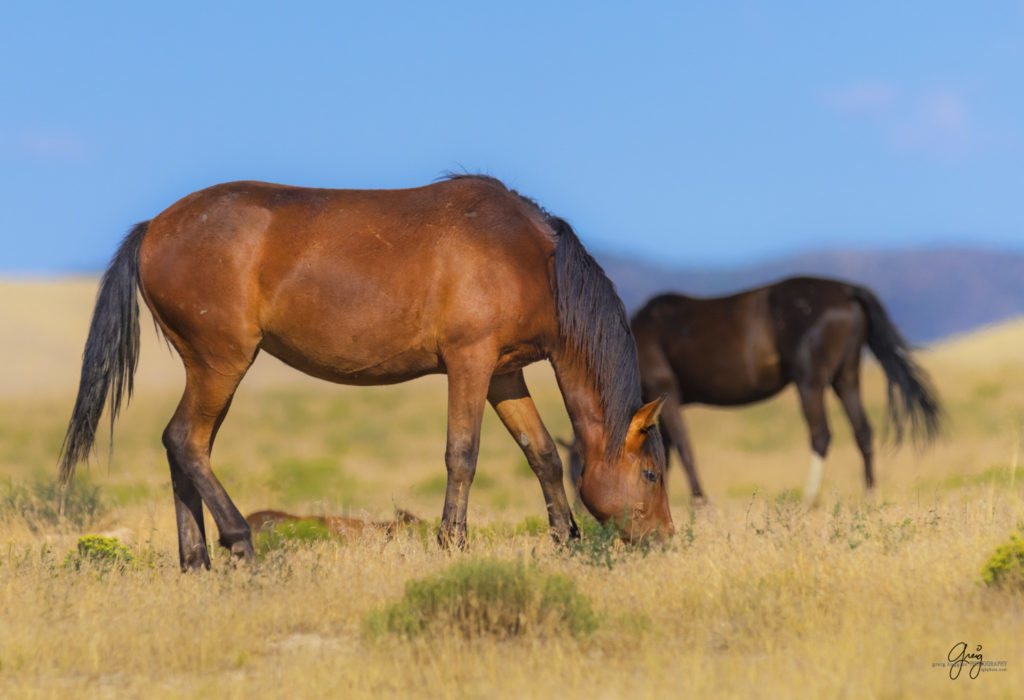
(560, 600)
(106, 552)
(598, 545)
(486, 597)
(532, 525)
(281, 534)
(601, 544)
(1005, 568)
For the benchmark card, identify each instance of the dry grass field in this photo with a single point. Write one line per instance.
(756, 596)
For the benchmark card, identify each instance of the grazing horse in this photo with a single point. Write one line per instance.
(739, 349)
(463, 277)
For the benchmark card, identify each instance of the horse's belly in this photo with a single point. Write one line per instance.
(732, 381)
(356, 365)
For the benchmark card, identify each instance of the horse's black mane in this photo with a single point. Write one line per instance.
(592, 321)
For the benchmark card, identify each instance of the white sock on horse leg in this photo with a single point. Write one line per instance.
(813, 478)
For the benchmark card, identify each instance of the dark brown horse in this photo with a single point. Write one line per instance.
(739, 349)
(462, 277)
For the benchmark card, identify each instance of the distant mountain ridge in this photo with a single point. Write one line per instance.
(930, 294)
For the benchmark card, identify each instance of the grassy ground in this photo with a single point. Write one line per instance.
(757, 596)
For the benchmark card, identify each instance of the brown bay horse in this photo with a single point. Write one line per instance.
(739, 349)
(463, 277)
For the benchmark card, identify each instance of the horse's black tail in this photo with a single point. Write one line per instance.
(916, 401)
(111, 353)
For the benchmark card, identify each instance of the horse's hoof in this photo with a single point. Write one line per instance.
(242, 552)
(560, 536)
(563, 532)
(194, 558)
(451, 540)
(195, 563)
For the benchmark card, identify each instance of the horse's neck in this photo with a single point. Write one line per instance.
(583, 404)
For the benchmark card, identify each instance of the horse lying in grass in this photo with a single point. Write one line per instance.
(462, 277)
(263, 520)
(739, 349)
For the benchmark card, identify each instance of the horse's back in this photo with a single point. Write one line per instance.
(818, 323)
(360, 286)
(720, 350)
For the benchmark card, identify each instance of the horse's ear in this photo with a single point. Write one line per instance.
(644, 419)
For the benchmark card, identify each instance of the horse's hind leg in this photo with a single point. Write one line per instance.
(673, 424)
(188, 511)
(514, 405)
(847, 388)
(658, 380)
(189, 439)
(812, 402)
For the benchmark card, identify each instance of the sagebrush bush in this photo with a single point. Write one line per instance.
(1005, 568)
(282, 534)
(602, 545)
(107, 552)
(486, 597)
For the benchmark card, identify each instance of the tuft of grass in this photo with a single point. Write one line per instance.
(785, 514)
(104, 552)
(532, 525)
(283, 535)
(686, 534)
(1005, 568)
(598, 545)
(486, 598)
(601, 544)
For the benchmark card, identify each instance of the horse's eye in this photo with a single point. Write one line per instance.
(650, 476)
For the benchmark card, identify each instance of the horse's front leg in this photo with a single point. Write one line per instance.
(468, 377)
(513, 404)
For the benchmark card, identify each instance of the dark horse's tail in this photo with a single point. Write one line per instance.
(917, 402)
(111, 352)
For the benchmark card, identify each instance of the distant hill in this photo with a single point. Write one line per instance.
(931, 294)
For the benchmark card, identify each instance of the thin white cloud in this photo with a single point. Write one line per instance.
(51, 144)
(939, 124)
(936, 123)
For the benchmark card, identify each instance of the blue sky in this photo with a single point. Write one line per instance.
(684, 133)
